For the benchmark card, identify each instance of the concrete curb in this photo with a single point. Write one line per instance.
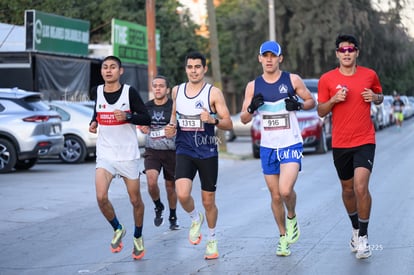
(228, 155)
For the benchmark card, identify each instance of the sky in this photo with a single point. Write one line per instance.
(407, 15)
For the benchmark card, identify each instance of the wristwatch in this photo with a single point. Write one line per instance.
(128, 117)
(216, 122)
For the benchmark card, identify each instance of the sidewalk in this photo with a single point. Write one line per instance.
(239, 149)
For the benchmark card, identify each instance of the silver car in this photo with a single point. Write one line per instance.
(28, 129)
(79, 142)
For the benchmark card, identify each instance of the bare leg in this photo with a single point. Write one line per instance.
(102, 182)
(183, 189)
(152, 181)
(134, 192)
(171, 194)
(210, 208)
(277, 206)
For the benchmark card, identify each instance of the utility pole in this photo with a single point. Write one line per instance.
(152, 55)
(215, 63)
(272, 21)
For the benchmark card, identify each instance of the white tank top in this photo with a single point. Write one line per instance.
(117, 141)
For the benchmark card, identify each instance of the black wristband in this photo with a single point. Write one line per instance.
(216, 122)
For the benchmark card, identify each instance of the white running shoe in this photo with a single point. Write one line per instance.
(353, 244)
(363, 251)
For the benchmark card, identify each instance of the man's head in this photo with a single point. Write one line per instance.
(272, 47)
(347, 50)
(111, 69)
(113, 58)
(196, 55)
(195, 67)
(160, 87)
(346, 38)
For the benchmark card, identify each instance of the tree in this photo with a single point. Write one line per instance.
(177, 30)
(307, 30)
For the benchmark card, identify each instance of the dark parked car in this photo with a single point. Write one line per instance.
(28, 130)
(316, 131)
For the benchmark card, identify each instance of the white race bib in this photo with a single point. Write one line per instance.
(275, 122)
(190, 123)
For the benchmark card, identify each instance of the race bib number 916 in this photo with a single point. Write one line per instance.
(275, 122)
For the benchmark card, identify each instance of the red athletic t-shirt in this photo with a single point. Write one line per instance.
(351, 119)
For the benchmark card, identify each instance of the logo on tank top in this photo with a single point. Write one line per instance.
(158, 115)
(102, 106)
(199, 104)
(283, 89)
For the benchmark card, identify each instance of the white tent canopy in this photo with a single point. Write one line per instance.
(12, 38)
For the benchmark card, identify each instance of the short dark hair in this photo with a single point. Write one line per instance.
(114, 58)
(167, 83)
(346, 38)
(196, 55)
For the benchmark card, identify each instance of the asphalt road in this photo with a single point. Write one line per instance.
(50, 223)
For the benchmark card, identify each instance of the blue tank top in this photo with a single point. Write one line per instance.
(194, 138)
(274, 91)
(279, 127)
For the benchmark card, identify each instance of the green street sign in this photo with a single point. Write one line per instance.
(58, 34)
(130, 42)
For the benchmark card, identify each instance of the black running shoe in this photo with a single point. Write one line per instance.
(174, 223)
(159, 219)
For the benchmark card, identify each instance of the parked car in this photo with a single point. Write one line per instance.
(28, 129)
(381, 115)
(316, 131)
(388, 99)
(141, 136)
(79, 142)
(408, 110)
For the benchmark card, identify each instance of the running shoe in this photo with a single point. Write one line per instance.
(292, 230)
(139, 250)
(159, 219)
(116, 243)
(353, 244)
(211, 250)
(283, 247)
(363, 248)
(174, 223)
(195, 235)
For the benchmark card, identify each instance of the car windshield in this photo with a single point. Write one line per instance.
(35, 103)
(82, 109)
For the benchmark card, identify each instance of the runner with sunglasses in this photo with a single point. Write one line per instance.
(347, 92)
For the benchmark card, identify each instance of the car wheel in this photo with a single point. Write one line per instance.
(230, 136)
(322, 146)
(25, 164)
(256, 151)
(8, 156)
(74, 150)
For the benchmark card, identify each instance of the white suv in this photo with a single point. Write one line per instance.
(28, 129)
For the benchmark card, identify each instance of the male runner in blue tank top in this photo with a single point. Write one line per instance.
(197, 108)
(273, 96)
